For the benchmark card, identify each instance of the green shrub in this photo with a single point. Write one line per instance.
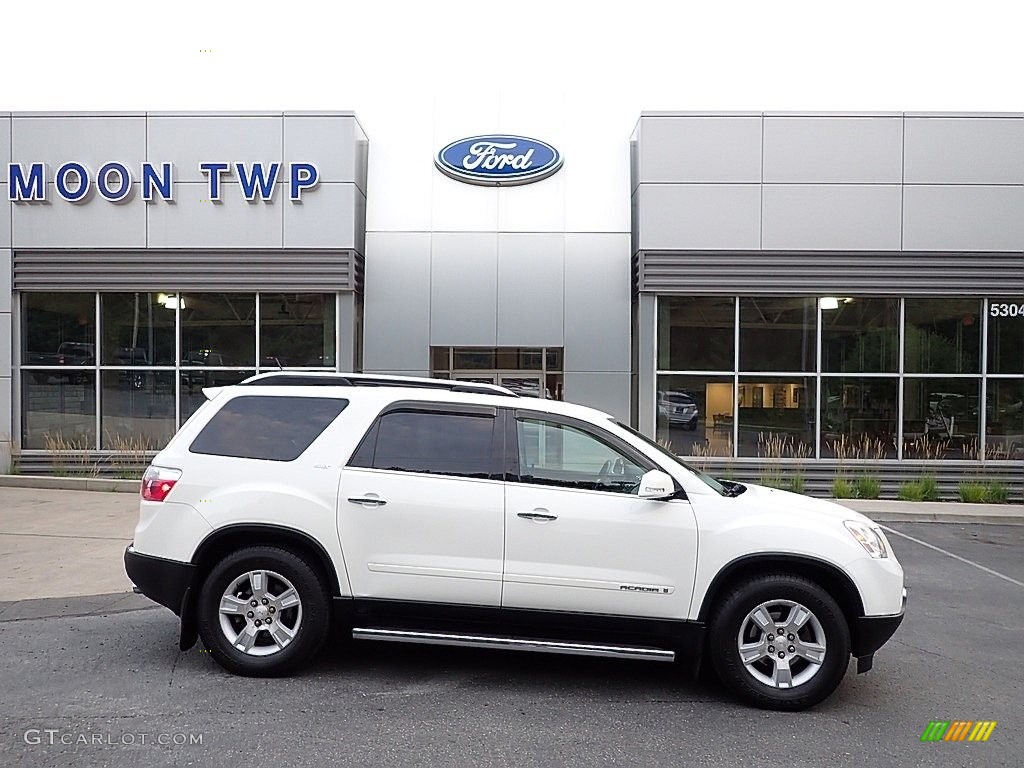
(770, 481)
(867, 487)
(997, 492)
(796, 483)
(929, 487)
(973, 493)
(843, 489)
(911, 491)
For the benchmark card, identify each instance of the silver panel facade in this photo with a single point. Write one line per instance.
(833, 150)
(964, 150)
(597, 302)
(531, 289)
(891, 203)
(464, 289)
(714, 150)
(396, 334)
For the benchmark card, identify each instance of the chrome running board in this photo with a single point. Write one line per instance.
(513, 644)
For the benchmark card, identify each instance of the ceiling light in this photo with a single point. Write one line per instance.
(828, 302)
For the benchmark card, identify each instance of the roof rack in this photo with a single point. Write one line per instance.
(300, 379)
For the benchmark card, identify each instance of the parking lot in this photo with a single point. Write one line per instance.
(117, 682)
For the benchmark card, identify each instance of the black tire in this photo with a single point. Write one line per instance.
(730, 614)
(312, 629)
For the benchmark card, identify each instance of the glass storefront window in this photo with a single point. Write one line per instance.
(695, 415)
(527, 371)
(136, 410)
(696, 334)
(776, 417)
(858, 417)
(58, 329)
(860, 335)
(778, 334)
(1004, 420)
(1006, 335)
(218, 329)
(942, 336)
(58, 410)
(297, 330)
(137, 328)
(191, 384)
(940, 418)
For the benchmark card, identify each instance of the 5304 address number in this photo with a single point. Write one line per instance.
(1006, 309)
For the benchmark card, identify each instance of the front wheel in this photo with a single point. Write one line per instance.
(263, 611)
(780, 641)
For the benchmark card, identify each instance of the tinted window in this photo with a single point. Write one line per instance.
(274, 428)
(435, 443)
(557, 454)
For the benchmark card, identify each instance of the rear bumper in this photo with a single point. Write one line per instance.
(872, 632)
(164, 581)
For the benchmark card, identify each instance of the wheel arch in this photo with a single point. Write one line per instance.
(233, 537)
(829, 576)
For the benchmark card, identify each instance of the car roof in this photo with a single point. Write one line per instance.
(380, 396)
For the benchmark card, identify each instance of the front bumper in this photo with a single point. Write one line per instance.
(869, 633)
(164, 581)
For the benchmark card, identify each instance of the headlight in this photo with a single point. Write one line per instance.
(870, 538)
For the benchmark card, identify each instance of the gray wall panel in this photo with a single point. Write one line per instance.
(396, 321)
(5, 217)
(833, 149)
(463, 288)
(597, 302)
(530, 289)
(5, 346)
(328, 142)
(964, 150)
(831, 217)
(700, 149)
(95, 223)
(324, 218)
(5, 281)
(189, 141)
(608, 392)
(192, 221)
(6, 415)
(840, 273)
(346, 333)
(5, 142)
(160, 270)
(968, 218)
(699, 215)
(647, 314)
(91, 141)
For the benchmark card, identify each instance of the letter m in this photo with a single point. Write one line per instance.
(935, 731)
(20, 188)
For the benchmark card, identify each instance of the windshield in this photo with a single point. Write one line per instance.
(707, 479)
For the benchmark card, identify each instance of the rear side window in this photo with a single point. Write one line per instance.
(432, 443)
(271, 428)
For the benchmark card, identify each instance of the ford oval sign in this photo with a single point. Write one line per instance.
(498, 160)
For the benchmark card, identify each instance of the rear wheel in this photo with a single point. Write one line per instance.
(780, 641)
(263, 611)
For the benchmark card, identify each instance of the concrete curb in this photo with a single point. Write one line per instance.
(886, 511)
(84, 605)
(69, 483)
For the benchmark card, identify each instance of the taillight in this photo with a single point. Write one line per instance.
(158, 482)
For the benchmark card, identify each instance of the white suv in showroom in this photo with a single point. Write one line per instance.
(430, 511)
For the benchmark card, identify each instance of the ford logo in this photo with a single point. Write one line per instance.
(498, 160)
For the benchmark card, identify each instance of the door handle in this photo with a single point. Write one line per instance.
(369, 501)
(539, 516)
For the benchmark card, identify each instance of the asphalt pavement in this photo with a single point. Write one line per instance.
(109, 687)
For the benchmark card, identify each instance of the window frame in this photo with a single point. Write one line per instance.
(513, 470)
(364, 458)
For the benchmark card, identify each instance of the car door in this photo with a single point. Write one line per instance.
(421, 506)
(578, 538)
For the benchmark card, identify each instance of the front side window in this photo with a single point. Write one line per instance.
(271, 428)
(434, 443)
(557, 454)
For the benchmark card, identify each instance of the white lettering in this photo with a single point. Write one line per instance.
(484, 154)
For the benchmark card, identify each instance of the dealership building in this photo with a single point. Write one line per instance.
(824, 293)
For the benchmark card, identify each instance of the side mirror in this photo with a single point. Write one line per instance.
(656, 485)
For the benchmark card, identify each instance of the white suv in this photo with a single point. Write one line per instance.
(418, 510)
